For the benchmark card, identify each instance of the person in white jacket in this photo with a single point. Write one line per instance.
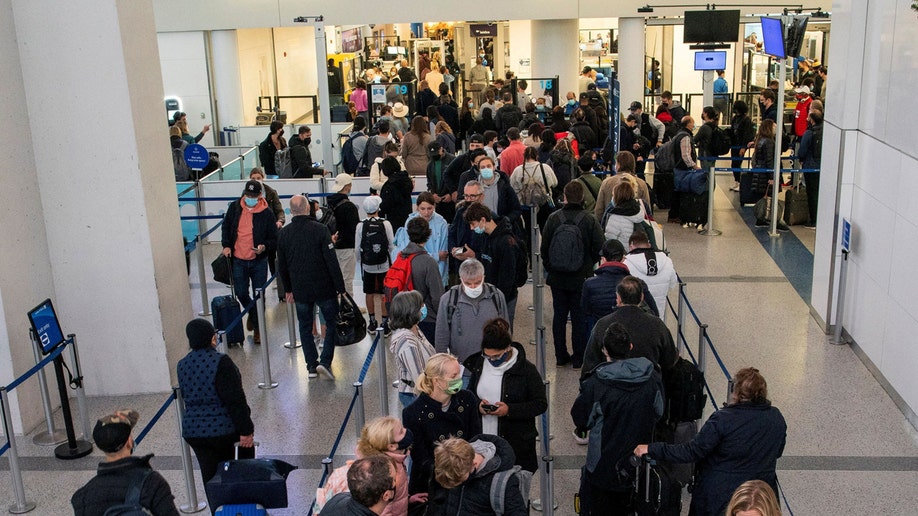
(654, 267)
(625, 212)
(377, 178)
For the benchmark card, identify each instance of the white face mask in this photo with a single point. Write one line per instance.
(319, 214)
(473, 292)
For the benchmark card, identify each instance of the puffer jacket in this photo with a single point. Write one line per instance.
(622, 220)
(474, 495)
(657, 271)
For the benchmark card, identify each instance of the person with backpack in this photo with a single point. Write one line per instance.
(810, 155)
(481, 477)
(511, 391)
(621, 402)
(533, 182)
(121, 473)
(182, 170)
(437, 244)
(591, 184)
(415, 269)
(571, 241)
(504, 256)
(624, 213)
(353, 150)
(395, 192)
(625, 170)
(465, 308)
(654, 267)
(374, 241)
(270, 145)
(346, 219)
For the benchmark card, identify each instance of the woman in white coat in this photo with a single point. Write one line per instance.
(626, 212)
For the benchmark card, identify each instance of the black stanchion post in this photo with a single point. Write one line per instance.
(383, 375)
(202, 276)
(73, 448)
(52, 436)
(21, 505)
(193, 504)
(702, 349)
(361, 417)
(546, 502)
(80, 391)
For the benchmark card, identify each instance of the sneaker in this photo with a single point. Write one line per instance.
(735, 187)
(810, 225)
(312, 372)
(562, 362)
(250, 323)
(576, 365)
(385, 326)
(761, 223)
(783, 227)
(686, 225)
(256, 337)
(700, 227)
(581, 438)
(325, 372)
(371, 326)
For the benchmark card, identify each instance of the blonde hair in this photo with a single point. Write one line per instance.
(453, 462)
(435, 368)
(377, 435)
(175, 131)
(754, 495)
(182, 125)
(443, 127)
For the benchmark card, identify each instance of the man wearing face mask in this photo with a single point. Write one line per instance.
(249, 233)
(499, 256)
(464, 310)
(270, 145)
(439, 183)
(301, 157)
(498, 195)
(120, 471)
(468, 470)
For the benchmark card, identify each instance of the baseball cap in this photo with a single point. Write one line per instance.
(802, 89)
(341, 181)
(433, 148)
(476, 138)
(586, 69)
(112, 431)
(252, 188)
(635, 105)
(371, 204)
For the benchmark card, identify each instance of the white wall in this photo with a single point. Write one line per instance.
(295, 54)
(869, 158)
(521, 48)
(256, 64)
(184, 65)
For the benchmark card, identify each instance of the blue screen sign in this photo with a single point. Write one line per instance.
(47, 329)
(846, 235)
(196, 156)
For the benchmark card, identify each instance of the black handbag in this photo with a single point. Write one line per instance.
(223, 269)
(351, 327)
(247, 481)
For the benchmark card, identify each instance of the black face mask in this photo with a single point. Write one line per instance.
(406, 441)
(307, 141)
(436, 157)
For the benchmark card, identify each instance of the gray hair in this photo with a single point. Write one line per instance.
(473, 182)
(405, 310)
(299, 205)
(471, 268)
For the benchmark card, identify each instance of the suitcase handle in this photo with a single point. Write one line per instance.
(237, 445)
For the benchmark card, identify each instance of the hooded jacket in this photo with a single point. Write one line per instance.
(591, 237)
(657, 271)
(598, 298)
(396, 198)
(622, 219)
(499, 259)
(111, 483)
(425, 274)
(306, 261)
(460, 332)
(346, 219)
(474, 495)
(619, 403)
(649, 336)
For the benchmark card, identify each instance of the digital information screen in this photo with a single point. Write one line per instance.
(46, 327)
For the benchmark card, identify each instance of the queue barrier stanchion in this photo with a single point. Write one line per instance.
(193, 504)
(80, 391)
(383, 375)
(268, 383)
(222, 344)
(546, 503)
(20, 505)
(361, 410)
(51, 436)
(702, 350)
(202, 278)
(709, 227)
(291, 327)
(680, 318)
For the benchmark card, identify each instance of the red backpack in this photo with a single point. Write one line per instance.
(398, 277)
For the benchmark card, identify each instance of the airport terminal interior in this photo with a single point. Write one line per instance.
(104, 245)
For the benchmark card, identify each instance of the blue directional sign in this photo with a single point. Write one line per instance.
(846, 235)
(196, 156)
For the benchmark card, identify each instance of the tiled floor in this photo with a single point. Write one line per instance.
(849, 449)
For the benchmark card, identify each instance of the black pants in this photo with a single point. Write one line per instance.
(568, 302)
(812, 193)
(211, 451)
(596, 501)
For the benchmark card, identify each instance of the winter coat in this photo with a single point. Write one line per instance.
(663, 277)
(622, 220)
(764, 158)
(346, 219)
(447, 183)
(737, 443)
(508, 203)
(604, 196)
(523, 390)
(592, 240)
(301, 159)
(111, 483)
(585, 136)
(460, 334)
(499, 259)
(429, 423)
(620, 402)
(264, 227)
(396, 199)
(649, 336)
(598, 298)
(306, 261)
(414, 152)
(474, 495)
(509, 115)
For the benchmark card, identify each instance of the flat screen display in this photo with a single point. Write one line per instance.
(715, 60)
(711, 26)
(796, 29)
(773, 35)
(350, 40)
(392, 51)
(47, 329)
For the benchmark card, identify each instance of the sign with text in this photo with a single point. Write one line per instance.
(378, 92)
(846, 236)
(196, 156)
(483, 30)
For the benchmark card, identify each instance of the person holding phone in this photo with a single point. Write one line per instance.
(511, 391)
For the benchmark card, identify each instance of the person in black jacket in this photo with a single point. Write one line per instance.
(498, 196)
(566, 284)
(249, 233)
(810, 154)
(439, 182)
(504, 378)
(599, 291)
(308, 267)
(346, 219)
(371, 488)
(741, 133)
(300, 156)
(586, 137)
(120, 470)
(739, 442)
(499, 255)
(395, 193)
(620, 403)
(468, 471)
(270, 145)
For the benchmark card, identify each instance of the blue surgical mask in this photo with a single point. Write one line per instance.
(484, 62)
(496, 362)
(479, 230)
(423, 312)
(251, 201)
(487, 173)
(572, 102)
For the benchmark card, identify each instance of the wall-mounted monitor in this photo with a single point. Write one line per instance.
(713, 60)
(796, 27)
(773, 35)
(711, 26)
(46, 327)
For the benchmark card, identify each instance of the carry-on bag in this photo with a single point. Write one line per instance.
(249, 509)
(796, 206)
(693, 208)
(684, 388)
(656, 490)
(663, 184)
(351, 327)
(250, 481)
(225, 310)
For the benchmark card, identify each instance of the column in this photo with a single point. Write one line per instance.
(227, 84)
(112, 257)
(631, 62)
(555, 51)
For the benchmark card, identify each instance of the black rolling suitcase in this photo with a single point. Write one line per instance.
(225, 309)
(251, 484)
(656, 490)
(663, 183)
(747, 194)
(693, 208)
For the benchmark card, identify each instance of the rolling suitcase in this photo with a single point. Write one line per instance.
(225, 309)
(663, 183)
(656, 490)
(252, 509)
(693, 208)
(747, 194)
(249, 483)
(796, 206)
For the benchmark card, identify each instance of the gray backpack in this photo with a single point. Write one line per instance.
(499, 487)
(565, 253)
(283, 166)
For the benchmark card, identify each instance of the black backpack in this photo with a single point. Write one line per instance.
(521, 257)
(131, 505)
(720, 142)
(374, 243)
(565, 253)
(685, 397)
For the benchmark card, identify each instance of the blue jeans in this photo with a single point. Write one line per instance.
(406, 398)
(245, 271)
(304, 314)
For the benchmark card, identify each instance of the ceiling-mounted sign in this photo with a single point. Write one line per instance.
(483, 30)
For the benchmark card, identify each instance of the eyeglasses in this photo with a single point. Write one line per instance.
(473, 196)
(494, 357)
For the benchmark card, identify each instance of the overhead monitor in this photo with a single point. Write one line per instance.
(711, 26)
(46, 327)
(796, 29)
(773, 35)
(716, 60)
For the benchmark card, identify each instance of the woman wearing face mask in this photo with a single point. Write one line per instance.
(443, 410)
(464, 310)
(511, 391)
(381, 436)
(498, 195)
(409, 346)
(270, 145)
